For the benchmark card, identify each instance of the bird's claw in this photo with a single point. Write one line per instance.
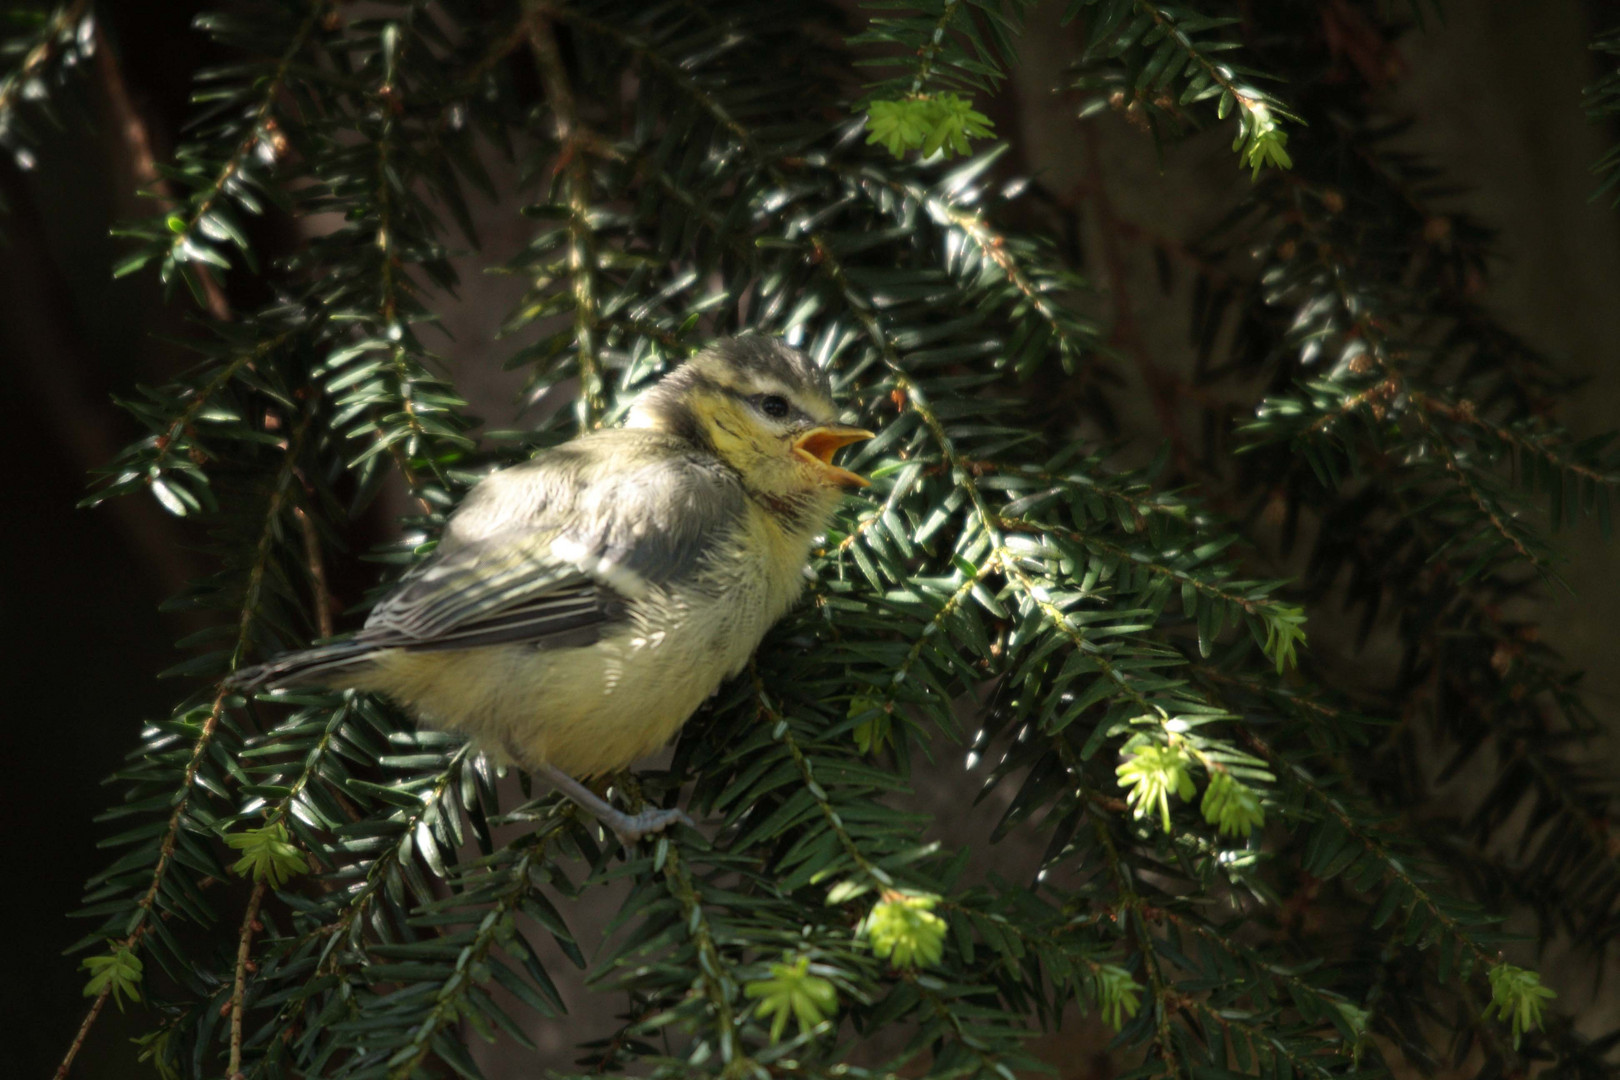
(631, 828)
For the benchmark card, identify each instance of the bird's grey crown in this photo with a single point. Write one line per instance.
(768, 358)
(749, 359)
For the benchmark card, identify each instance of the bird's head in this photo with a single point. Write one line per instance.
(765, 409)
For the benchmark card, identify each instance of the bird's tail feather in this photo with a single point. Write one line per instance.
(307, 667)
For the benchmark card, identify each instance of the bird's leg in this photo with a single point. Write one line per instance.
(629, 828)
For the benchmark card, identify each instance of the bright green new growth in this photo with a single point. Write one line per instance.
(1153, 771)
(942, 123)
(1151, 774)
(792, 991)
(117, 972)
(1119, 998)
(1518, 997)
(899, 126)
(1352, 1023)
(873, 729)
(154, 1049)
(1232, 806)
(1285, 632)
(1260, 140)
(939, 54)
(904, 930)
(268, 855)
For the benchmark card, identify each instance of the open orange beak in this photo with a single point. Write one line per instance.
(820, 443)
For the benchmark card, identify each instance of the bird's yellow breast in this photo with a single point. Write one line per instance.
(594, 709)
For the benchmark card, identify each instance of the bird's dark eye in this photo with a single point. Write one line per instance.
(772, 405)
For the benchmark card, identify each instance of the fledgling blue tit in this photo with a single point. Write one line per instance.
(581, 606)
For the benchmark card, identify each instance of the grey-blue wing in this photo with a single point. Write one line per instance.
(571, 616)
(551, 553)
(487, 592)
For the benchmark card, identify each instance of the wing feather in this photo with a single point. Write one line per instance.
(567, 618)
(551, 552)
(473, 582)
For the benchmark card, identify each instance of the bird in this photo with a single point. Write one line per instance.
(580, 606)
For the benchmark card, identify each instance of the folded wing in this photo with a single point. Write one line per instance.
(552, 553)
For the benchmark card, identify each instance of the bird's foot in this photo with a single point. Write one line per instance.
(631, 828)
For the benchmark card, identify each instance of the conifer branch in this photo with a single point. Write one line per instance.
(1392, 868)
(575, 168)
(1218, 74)
(83, 1033)
(448, 1007)
(989, 1063)
(1141, 939)
(148, 462)
(936, 42)
(142, 160)
(256, 131)
(48, 46)
(357, 903)
(654, 58)
(942, 614)
(1264, 974)
(1248, 604)
(244, 953)
(1465, 414)
(718, 984)
(187, 238)
(279, 812)
(876, 876)
(1464, 479)
(141, 914)
(1036, 283)
(389, 321)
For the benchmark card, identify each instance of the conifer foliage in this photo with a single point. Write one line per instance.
(1231, 876)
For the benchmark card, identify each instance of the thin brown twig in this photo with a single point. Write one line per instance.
(1466, 415)
(506, 46)
(317, 572)
(936, 44)
(573, 163)
(244, 950)
(84, 1032)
